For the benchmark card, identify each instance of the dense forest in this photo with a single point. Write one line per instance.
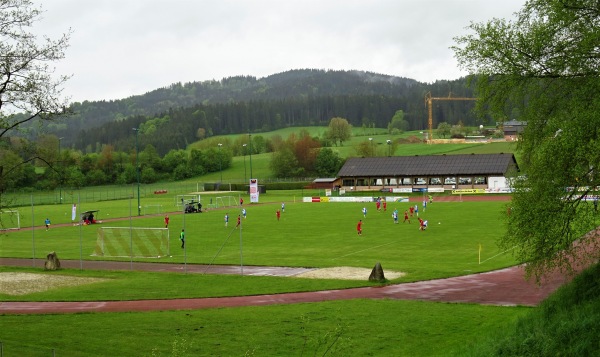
(172, 117)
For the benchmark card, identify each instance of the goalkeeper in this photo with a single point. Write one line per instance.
(182, 238)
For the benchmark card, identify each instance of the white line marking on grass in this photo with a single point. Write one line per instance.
(490, 258)
(364, 250)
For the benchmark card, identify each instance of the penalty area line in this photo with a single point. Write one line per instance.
(364, 250)
(506, 251)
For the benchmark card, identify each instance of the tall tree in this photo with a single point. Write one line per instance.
(398, 124)
(27, 82)
(547, 63)
(339, 130)
(444, 129)
(284, 164)
(328, 163)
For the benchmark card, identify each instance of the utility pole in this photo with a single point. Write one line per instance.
(250, 141)
(137, 168)
(59, 173)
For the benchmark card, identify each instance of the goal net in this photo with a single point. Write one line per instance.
(152, 209)
(226, 201)
(10, 220)
(132, 242)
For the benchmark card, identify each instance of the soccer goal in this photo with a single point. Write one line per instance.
(152, 209)
(10, 220)
(226, 201)
(132, 242)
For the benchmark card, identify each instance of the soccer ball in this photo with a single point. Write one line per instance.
(439, 222)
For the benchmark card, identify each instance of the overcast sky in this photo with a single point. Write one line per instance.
(121, 48)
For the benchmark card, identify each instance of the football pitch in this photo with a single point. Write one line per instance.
(461, 238)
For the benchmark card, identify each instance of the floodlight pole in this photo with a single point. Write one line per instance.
(245, 145)
(250, 140)
(372, 151)
(59, 173)
(137, 168)
(220, 163)
(389, 142)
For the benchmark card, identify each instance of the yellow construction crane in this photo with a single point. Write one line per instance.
(428, 101)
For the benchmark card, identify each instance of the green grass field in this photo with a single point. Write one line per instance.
(308, 235)
(337, 328)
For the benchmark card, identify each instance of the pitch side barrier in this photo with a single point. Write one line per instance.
(388, 199)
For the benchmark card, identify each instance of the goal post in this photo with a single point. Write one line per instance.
(132, 242)
(10, 220)
(226, 201)
(152, 209)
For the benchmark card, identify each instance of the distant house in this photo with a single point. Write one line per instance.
(442, 172)
(512, 129)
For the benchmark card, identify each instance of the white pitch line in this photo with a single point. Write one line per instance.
(498, 254)
(364, 250)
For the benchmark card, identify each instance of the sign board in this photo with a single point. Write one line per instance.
(254, 191)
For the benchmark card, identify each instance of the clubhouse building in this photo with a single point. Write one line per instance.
(435, 173)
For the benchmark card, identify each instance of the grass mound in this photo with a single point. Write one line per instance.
(565, 324)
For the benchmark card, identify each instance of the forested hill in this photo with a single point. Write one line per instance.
(245, 103)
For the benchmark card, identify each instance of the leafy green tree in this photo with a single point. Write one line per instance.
(27, 81)
(196, 162)
(173, 159)
(11, 179)
(328, 163)
(444, 129)
(284, 163)
(259, 144)
(129, 175)
(96, 177)
(148, 175)
(149, 158)
(72, 177)
(547, 64)
(365, 148)
(181, 172)
(339, 130)
(398, 124)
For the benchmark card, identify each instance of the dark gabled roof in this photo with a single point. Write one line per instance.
(432, 165)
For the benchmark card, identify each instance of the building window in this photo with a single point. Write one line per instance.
(480, 180)
(420, 181)
(348, 182)
(464, 180)
(449, 180)
(435, 181)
